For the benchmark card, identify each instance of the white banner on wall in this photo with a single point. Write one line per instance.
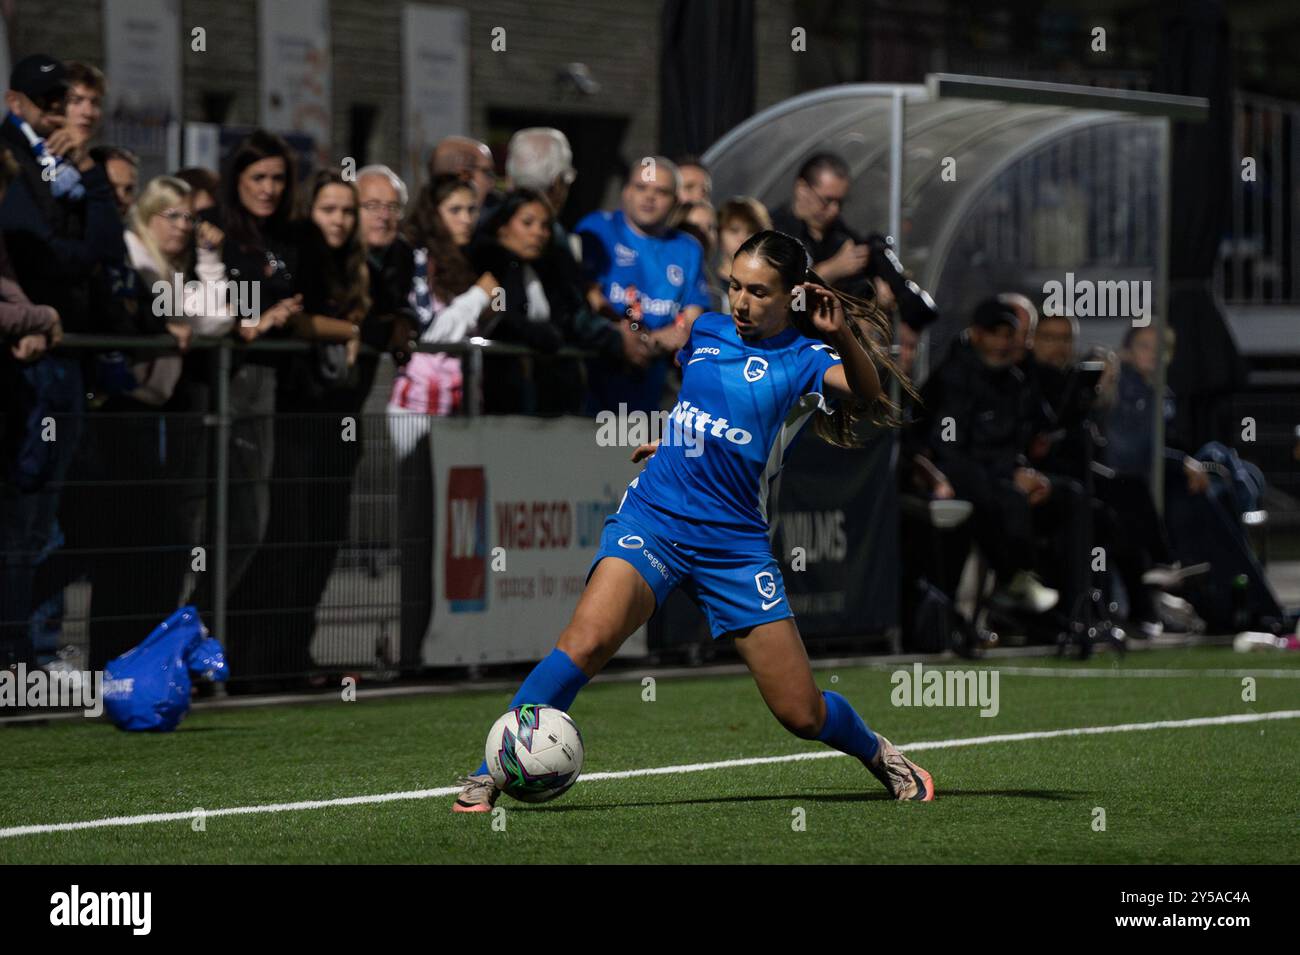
(142, 64)
(294, 62)
(538, 489)
(435, 83)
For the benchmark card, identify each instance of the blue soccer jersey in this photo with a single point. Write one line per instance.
(667, 271)
(741, 406)
(668, 274)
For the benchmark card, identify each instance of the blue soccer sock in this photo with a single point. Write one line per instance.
(555, 681)
(845, 731)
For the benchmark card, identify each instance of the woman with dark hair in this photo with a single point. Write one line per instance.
(319, 438)
(253, 229)
(336, 278)
(205, 186)
(541, 309)
(447, 297)
(792, 350)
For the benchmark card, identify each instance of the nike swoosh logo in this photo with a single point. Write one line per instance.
(920, 785)
(769, 606)
(694, 360)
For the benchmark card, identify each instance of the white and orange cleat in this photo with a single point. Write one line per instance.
(902, 777)
(479, 795)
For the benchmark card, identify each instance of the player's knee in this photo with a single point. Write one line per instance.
(584, 643)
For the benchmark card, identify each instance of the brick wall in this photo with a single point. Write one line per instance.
(617, 39)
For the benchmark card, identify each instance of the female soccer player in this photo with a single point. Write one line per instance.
(696, 516)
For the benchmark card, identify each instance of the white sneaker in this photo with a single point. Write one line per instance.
(1026, 592)
(1177, 614)
(1171, 577)
(1150, 629)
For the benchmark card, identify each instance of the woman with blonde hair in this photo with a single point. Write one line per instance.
(152, 457)
(162, 237)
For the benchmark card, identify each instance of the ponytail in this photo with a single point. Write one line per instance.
(872, 328)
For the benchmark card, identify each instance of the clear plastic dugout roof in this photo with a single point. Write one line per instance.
(994, 195)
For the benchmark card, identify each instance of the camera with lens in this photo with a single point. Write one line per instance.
(915, 306)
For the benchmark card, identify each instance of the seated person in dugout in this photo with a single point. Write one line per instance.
(1126, 524)
(980, 418)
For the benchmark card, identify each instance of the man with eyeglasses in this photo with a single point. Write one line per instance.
(821, 189)
(60, 226)
(391, 323)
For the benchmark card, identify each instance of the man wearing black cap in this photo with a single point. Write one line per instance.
(60, 225)
(59, 217)
(980, 419)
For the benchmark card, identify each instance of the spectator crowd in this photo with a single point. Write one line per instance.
(344, 262)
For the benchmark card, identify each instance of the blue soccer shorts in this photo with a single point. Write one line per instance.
(736, 587)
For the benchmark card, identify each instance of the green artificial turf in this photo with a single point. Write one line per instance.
(1218, 794)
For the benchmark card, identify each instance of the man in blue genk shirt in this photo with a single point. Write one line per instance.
(633, 249)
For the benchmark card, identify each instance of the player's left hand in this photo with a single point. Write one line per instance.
(827, 313)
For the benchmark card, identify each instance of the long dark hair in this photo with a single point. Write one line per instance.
(347, 276)
(450, 273)
(237, 221)
(512, 202)
(870, 326)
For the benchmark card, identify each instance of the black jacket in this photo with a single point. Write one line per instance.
(990, 414)
(276, 263)
(1071, 433)
(392, 273)
(57, 245)
(524, 385)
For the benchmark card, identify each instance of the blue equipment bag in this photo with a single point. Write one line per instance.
(148, 687)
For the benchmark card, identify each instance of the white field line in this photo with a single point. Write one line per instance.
(930, 662)
(655, 771)
(1073, 672)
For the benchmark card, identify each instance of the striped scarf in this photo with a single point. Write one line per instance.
(63, 177)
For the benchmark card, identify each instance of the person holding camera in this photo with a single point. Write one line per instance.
(813, 216)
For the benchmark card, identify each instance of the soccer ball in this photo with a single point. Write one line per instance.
(534, 752)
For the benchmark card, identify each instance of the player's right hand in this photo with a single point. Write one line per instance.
(645, 451)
